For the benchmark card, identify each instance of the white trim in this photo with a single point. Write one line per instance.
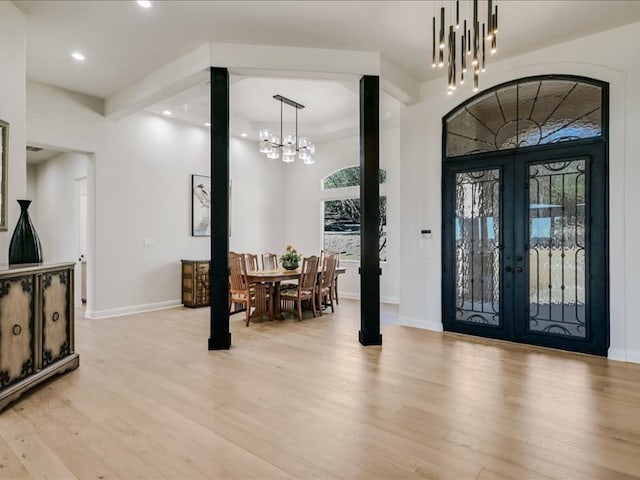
(420, 323)
(356, 296)
(118, 312)
(349, 295)
(617, 354)
(392, 300)
(633, 356)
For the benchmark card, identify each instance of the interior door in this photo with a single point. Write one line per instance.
(524, 247)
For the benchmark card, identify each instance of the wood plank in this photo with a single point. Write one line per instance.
(304, 400)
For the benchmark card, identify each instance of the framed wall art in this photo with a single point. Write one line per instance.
(4, 161)
(200, 206)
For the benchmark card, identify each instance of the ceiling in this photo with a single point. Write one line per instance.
(123, 43)
(331, 108)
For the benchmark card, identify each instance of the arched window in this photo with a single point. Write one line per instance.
(532, 111)
(341, 213)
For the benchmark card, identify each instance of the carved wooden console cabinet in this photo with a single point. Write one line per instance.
(36, 326)
(195, 283)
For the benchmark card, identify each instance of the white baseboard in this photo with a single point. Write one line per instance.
(420, 323)
(633, 356)
(617, 354)
(349, 295)
(356, 296)
(621, 355)
(118, 312)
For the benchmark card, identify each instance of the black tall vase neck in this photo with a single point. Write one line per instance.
(24, 205)
(25, 245)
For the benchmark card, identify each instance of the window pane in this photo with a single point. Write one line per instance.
(557, 262)
(348, 177)
(477, 230)
(342, 227)
(532, 112)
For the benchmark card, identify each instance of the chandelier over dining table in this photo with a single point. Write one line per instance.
(291, 145)
(464, 35)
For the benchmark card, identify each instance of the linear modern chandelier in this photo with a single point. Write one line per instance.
(474, 38)
(291, 145)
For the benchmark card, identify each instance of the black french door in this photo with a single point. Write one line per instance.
(525, 246)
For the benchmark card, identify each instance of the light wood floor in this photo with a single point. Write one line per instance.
(305, 400)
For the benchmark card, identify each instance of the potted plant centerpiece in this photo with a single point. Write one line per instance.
(290, 259)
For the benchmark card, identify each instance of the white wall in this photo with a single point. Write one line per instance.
(12, 110)
(54, 209)
(257, 199)
(140, 193)
(304, 204)
(32, 184)
(53, 188)
(610, 56)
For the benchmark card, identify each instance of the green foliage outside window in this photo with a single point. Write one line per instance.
(348, 177)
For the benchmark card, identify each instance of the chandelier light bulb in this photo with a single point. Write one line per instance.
(265, 146)
(274, 153)
(265, 134)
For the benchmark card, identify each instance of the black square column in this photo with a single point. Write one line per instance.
(369, 211)
(220, 336)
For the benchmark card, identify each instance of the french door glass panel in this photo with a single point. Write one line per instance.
(557, 238)
(477, 246)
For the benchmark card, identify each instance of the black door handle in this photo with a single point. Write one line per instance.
(507, 269)
(519, 269)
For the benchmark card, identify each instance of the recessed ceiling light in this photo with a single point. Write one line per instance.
(207, 124)
(144, 3)
(244, 134)
(166, 112)
(78, 56)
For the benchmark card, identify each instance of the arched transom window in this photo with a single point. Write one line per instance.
(533, 111)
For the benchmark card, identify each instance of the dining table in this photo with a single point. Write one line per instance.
(272, 279)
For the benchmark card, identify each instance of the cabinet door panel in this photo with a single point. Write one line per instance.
(55, 316)
(16, 330)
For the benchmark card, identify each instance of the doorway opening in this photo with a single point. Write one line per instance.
(525, 214)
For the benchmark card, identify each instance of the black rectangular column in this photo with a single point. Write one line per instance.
(369, 211)
(220, 336)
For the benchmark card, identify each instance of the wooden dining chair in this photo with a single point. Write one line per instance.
(241, 291)
(334, 285)
(292, 299)
(251, 262)
(269, 261)
(324, 288)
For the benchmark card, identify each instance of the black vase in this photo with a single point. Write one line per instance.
(25, 244)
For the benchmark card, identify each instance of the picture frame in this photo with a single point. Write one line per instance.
(4, 162)
(200, 206)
